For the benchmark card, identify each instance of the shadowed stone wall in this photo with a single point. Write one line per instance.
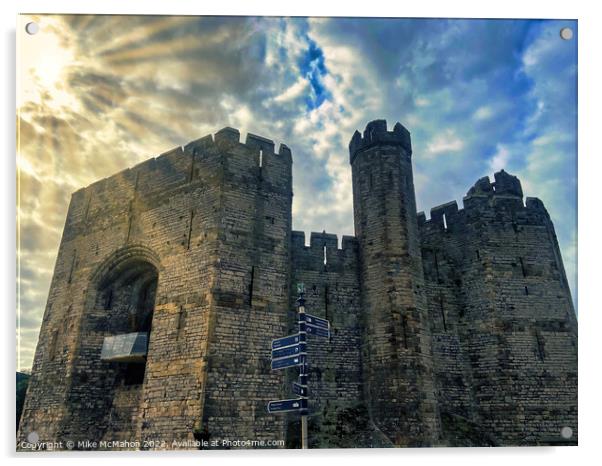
(504, 327)
(331, 277)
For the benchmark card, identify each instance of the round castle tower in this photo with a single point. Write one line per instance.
(397, 355)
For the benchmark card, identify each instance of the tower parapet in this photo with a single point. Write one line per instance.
(505, 184)
(376, 134)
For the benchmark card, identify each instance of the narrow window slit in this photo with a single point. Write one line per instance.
(404, 324)
(190, 229)
(444, 222)
(522, 266)
(540, 345)
(442, 313)
(72, 266)
(251, 285)
(130, 215)
(260, 158)
(326, 301)
(53, 345)
(191, 174)
(325, 258)
(181, 323)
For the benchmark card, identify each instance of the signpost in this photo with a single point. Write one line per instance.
(283, 406)
(320, 332)
(299, 389)
(291, 351)
(285, 341)
(290, 361)
(316, 321)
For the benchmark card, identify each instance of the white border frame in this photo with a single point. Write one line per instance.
(589, 260)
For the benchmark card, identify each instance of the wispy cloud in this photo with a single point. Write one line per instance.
(445, 143)
(500, 159)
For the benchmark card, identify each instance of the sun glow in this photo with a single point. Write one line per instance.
(42, 62)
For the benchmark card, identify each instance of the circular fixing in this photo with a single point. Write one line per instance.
(566, 33)
(33, 437)
(32, 28)
(566, 432)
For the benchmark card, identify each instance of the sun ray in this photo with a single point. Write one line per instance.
(144, 32)
(168, 47)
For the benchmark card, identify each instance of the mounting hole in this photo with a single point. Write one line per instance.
(32, 28)
(566, 33)
(566, 432)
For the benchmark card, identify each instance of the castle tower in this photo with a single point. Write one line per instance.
(397, 361)
(171, 279)
(502, 318)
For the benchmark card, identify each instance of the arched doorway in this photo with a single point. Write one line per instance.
(123, 301)
(127, 295)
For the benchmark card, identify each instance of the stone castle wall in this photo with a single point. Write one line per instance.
(331, 279)
(457, 330)
(250, 296)
(504, 328)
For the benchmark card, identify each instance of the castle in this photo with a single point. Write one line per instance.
(173, 277)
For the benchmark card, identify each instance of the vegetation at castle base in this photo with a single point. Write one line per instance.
(22, 381)
(458, 431)
(338, 427)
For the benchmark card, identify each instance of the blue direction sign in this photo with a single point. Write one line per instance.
(317, 331)
(317, 321)
(285, 341)
(282, 406)
(288, 351)
(299, 389)
(287, 362)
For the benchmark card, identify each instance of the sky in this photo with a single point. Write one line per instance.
(98, 94)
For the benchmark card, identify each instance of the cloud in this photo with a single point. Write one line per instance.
(500, 159)
(294, 91)
(550, 166)
(483, 113)
(447, 142)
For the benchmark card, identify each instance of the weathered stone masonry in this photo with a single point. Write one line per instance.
(457, 330)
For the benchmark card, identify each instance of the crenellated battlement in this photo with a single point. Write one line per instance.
(323, 254)
(505, 191)
(253, 141)
(318, 241)
(505, 184)
(442, 215)
(174, 163)
(376, 133)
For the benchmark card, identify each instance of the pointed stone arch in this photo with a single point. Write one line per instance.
(114, 336)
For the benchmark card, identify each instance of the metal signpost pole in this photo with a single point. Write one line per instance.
(291, 351)
(303, 370)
